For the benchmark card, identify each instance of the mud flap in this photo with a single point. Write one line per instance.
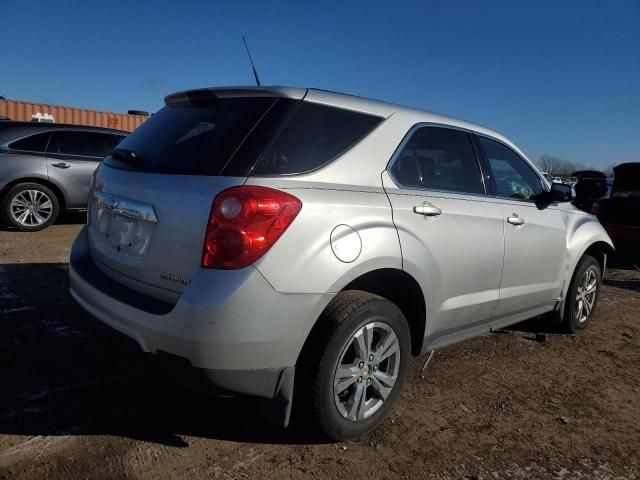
(557, 314)
(277, 410)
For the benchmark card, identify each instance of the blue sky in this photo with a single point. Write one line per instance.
(557, 77)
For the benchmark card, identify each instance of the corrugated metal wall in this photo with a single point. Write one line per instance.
(22, 111)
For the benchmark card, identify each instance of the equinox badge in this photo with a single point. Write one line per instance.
(175, 278)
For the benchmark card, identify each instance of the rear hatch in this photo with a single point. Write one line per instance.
(623, 205)
(151, 198)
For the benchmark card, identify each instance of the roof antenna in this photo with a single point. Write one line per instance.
(255, 73)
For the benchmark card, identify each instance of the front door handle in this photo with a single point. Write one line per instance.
(427, 210)
(60, 165)
(515, 219)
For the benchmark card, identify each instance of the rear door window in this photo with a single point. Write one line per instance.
(85, 144)
(32, 143)
(191, 137)
(438, 158)
(314, 136)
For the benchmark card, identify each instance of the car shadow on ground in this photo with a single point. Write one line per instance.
(534, 328)
(633, 285)
(72, 218)
(626, 258)
(61, 375)
(65, 218)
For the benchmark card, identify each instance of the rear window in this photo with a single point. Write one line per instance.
(191, 138)
(241, 137)
(315, 135)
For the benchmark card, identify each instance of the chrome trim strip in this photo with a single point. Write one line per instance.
(72, 155)
(125, 207)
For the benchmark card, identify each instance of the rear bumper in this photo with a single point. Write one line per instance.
(242, 335)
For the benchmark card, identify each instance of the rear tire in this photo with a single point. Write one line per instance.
(30, 207)
(582, 296)
(360, 366)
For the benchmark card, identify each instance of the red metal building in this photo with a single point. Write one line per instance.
(25, 111)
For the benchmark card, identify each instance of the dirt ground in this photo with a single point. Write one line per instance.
(75, 403)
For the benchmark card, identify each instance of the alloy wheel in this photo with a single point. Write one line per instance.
(31, 208)
(367, 371)
(586, 294)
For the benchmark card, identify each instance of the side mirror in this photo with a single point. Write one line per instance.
(561, 192)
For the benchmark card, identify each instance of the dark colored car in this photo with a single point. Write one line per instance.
(590, 187)
(619, 210)
(46, 168)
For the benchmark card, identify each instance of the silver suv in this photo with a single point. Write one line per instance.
(290, 243)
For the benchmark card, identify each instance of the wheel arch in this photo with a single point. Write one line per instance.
(599, 247)
(585, 235)
(599, 250)
(42, 181)
(396, 286)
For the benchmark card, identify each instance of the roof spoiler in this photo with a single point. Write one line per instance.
(208, 95)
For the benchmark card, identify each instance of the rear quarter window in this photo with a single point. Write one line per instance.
(79, 143)
(32, 143)
(314, 136)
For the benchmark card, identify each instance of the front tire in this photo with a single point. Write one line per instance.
(362, 366)
(583, 294)
(30, 207)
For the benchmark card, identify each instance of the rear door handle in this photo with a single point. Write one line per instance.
(515, 219)
(427, 210)
(60, 165)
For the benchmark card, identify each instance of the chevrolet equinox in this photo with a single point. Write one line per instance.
(297, 244)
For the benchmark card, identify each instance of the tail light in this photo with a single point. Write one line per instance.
(595, 208)
(244, 223)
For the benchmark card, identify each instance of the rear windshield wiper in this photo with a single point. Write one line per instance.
(127, 156)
